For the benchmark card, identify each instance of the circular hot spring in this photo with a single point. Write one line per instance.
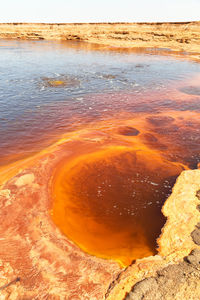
(109, 202)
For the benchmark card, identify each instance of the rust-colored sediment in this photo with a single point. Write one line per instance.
(37, 261)
(32, 209)
(175, 243)
(108, 201)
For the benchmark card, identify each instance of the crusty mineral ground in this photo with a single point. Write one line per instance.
(175, 273)
(36, 260)
(181, 37)
(177, 281)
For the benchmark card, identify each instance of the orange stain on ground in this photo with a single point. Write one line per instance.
(107, 201)
(112, 178)
(108, 198)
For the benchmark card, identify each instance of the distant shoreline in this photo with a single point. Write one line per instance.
(98, 23)
(181, 37)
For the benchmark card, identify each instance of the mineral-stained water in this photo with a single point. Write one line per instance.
(133, 124)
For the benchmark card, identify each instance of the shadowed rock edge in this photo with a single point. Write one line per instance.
(175, 272)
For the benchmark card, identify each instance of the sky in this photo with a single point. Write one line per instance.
(69, 11)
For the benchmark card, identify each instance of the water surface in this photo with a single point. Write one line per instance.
(33, 113)
(132, 122)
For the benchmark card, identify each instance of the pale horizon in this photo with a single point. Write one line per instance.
(88, 11)
(114, 22)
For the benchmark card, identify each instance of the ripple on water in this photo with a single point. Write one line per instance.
(191, 90)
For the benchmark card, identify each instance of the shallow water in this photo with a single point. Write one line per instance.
(105, 83)
(134, 119)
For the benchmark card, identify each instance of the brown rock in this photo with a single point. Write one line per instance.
(198, 194)
(194, 258)
(168, 275)
(196, 236)
(145, 288)
(177, 281)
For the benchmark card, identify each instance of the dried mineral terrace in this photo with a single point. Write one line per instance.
(37, 261)
(175, 272)
(180, 37)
